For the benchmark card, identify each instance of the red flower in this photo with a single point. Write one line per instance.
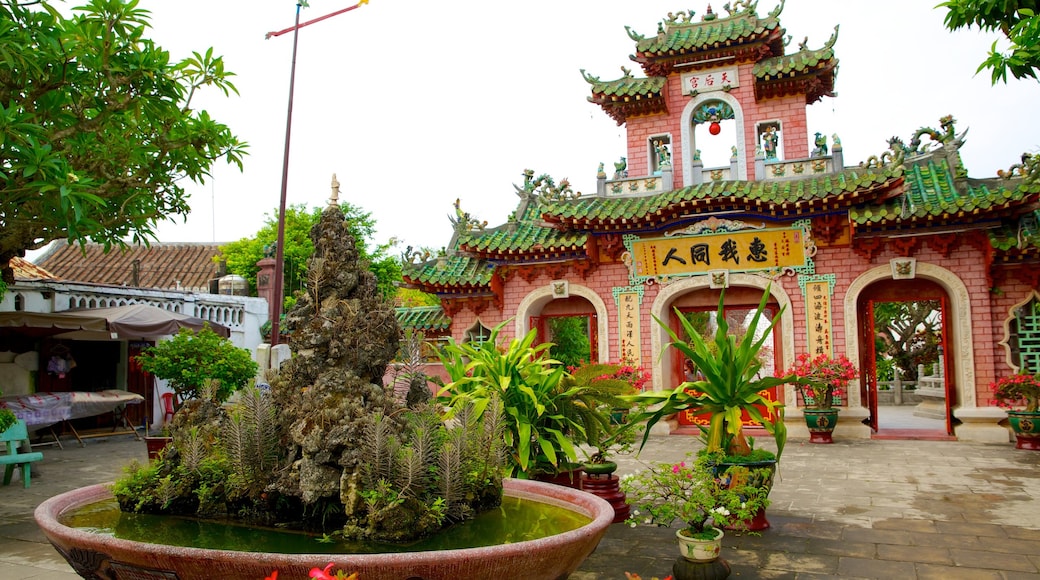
(273, 576)
(828, 376)
(1019, 390)
(325, 574)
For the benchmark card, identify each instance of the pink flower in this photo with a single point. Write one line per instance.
(325, 574)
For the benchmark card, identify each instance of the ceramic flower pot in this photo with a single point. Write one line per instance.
(156, 445)
(599, 480)
(696, 550)
(1026, 426)
(759, 474)
(821, 423)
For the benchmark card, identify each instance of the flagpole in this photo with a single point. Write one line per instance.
(279, 257)
(279, 265)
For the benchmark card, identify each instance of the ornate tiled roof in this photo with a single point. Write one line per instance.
(808, 72)
(775, 198)
(424, 318)
(457, 272)
(1018, 241)
(933, 198)
(628, 96)
(524, 238)
(684, 41)
(681, 39)
(907, 188)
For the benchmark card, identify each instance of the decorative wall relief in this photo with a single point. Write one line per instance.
(903, 268)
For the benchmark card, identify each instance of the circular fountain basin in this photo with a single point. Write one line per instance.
(99, 556)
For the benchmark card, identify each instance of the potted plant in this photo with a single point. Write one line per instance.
(156, 443)
(547, 411)
(729, 384)
(1019, 394)
(692, 493)
(823, 381)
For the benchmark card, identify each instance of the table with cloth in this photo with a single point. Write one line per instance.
(44, 410)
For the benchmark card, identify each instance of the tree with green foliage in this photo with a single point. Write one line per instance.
(570, 339)
(1018, 20)
(243, 255)
(909, 333)
(190, 360)
(97, 128)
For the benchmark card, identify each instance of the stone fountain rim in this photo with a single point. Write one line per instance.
(47, 516)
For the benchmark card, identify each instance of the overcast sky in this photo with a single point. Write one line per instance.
(414, 103)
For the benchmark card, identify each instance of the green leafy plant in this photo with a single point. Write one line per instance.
(190, 360)
(7, 418)
(692, 492)
(103, 144)
(546, 411)
(730, 384)
(607, 384)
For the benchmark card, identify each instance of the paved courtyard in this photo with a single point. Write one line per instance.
(854, 509)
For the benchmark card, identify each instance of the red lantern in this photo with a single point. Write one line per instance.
(714, 128)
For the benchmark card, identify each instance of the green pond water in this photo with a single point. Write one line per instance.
(517, 520)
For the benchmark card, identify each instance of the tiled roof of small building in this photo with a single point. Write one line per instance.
(26, 270)
(425, 318)
(167, 266)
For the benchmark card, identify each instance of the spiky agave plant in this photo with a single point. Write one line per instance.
(730, 386)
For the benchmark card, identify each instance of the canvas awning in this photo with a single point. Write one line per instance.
(129, 322)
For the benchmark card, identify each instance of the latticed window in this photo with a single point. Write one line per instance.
(478, 334)
(1024, 336)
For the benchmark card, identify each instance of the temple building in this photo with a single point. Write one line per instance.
(666, 232)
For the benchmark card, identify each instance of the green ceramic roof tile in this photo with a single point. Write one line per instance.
(1022, 235)
(627, 86)
(742, 28)
(423, 318)
(748, 192)
(521, 237)
(796, 63)
(450, 271)
(931, 191)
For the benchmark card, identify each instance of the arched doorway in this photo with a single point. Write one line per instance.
(699, 307)
(545, 303)
(571, 325)
(907, 382)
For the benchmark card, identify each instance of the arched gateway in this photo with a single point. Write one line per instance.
(665, 228)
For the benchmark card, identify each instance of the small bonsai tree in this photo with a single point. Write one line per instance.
(191, 359)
